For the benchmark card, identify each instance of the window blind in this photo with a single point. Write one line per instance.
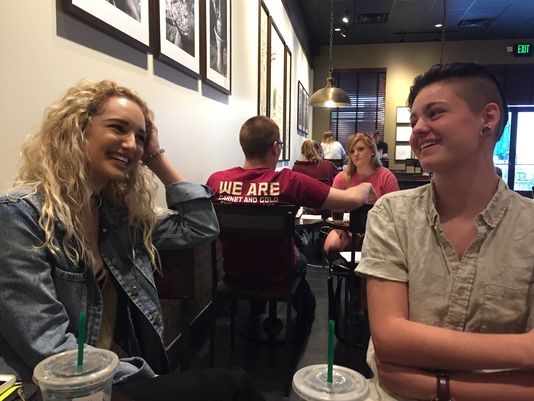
(367, 93)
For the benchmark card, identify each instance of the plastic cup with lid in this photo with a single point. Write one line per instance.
(61, 379)
(310, 383)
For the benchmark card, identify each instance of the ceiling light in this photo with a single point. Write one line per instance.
(337, 29)
(439, 25)
(345, 18)
(330, 96)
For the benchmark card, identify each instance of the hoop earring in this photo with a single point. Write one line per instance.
(485, 131)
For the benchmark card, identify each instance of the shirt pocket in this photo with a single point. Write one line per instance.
(504, 309)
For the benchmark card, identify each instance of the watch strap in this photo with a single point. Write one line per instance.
(443, 392)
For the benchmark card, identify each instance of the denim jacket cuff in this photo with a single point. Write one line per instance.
(131, 369)
(186, 191)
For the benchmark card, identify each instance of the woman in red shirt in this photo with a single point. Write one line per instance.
(363, 166)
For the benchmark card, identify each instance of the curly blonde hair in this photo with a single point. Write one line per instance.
(54, 163)
(370, 144)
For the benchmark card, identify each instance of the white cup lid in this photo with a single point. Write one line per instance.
(61, 371)
(348, 385)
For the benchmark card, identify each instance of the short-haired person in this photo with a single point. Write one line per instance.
(257, 182)
(381, 146)
(313, 164)
(332, 149)
(79, 233)
(449, 265)
(363, 166)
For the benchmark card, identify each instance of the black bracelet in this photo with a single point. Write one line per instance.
(443, 392)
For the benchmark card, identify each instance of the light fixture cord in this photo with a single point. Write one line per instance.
(330, 77)
(443, 31)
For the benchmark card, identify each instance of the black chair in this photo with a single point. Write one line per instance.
(177, 281)
(412, 165)
(240, 221)
(338, 163)
(346, 291)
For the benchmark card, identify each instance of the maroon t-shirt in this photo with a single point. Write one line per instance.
(242, 259)
(324, 170)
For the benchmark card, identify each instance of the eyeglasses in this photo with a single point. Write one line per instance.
(280, 143)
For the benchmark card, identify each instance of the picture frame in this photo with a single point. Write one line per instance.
(128, 24)
(216, 61)
(302, 109)
(403, 133)
(175, 34)
(279, 58)
(403, 152)
(403, 115)
(264, 24)
(287, 104)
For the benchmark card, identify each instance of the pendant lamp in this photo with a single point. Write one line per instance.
(330, 96)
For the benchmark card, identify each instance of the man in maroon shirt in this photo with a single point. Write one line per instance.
(257, 182)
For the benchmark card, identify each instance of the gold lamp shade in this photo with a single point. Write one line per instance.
(330, 96)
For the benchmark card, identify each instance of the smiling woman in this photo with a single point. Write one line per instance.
(115, 141)
(433, 256)
(81, 235)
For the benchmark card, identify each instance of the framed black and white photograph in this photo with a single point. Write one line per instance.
(403, 115)
(126, 20)
(217, 57)
(279, 85)
(302, 109)
(287, 104)
(403, 152)
(403, 133)
(176, 34)
(263, 59)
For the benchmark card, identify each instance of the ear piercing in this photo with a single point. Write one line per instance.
(485, 130)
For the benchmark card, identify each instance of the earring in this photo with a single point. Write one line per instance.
(485, 130)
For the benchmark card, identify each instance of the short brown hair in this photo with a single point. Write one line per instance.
(257, 134)
(478, 87)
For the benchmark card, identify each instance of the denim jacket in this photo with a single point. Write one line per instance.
(42, 294)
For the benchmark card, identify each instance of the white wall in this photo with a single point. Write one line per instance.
(44, 51)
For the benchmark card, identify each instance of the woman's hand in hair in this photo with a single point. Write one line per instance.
(152, 139)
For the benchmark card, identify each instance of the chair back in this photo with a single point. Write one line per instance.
(357, 223)
(257, 241)
(412, 165)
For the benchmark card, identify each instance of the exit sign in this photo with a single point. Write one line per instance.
(523, 49)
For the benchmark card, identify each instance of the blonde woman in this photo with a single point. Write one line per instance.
(313, 164)
(332, 149)
(363, 166)
(79, 234)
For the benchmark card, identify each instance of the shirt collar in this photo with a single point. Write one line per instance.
(491, 215)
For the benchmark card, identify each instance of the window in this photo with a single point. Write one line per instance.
(367, 92)
(513, 152)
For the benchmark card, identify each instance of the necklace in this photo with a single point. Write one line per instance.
(97, 199)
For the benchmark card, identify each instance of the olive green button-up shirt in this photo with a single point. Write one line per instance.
(489, 291)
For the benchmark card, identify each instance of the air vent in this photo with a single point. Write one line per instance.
(380, 18)
(480, 23)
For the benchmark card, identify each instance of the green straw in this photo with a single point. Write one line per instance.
(331, 326)
(81, 338)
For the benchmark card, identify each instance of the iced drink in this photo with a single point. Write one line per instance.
(60, 379)
(310, 383)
